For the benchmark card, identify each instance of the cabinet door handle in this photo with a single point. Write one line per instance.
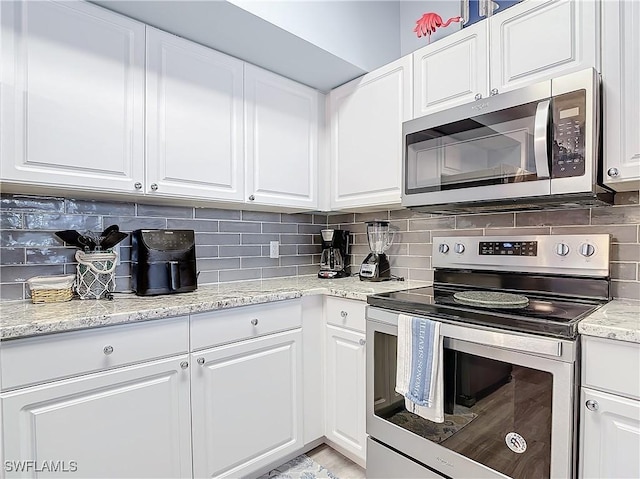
(494, 91)
(137, 185)
(154, 186)
(344, 314)
(592, 405)
(478, 96)
(252, 197)
(254, 321)
(200, 361)
(107, 350)
(362, 342)
(613, 172)
(184, 364)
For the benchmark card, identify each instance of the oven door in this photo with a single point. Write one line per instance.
(509, 403)
(494, 148)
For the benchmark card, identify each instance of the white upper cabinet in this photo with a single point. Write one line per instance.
(281, 140)
(72, 96)
(620, 74)
(366, 118)
(451, 71)
(532, 41)
(537, 40)
(194, 120)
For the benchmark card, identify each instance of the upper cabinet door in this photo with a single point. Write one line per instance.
(194, 120)
(452, 71)
(72, 96)
(620, 73)
(281, 140)
(366, 118)
(537, 40)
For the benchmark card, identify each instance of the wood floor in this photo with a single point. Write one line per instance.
(339, 465)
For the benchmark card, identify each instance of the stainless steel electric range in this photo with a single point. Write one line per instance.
(509, 308)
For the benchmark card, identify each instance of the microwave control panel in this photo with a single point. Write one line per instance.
(569, 120)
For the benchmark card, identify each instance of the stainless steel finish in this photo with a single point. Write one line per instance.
(384, 463)
(465, 12)
(254, 321)
(459, 248)
(154, 186)
(478, 96)
(443, 248)
(555, 192)
(562, 249)
(504, 348)
(592, 405)
(613, 172)
(494, 91)
(343, 314)
(107, 350)
(587, 249)
(362, 342)
(137, 185)
(200, 361)
(184, 364)
(546, 261)
(541, 155)
(252, 197)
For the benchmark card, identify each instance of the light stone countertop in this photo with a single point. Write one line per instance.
(20, 319)
(618, 319)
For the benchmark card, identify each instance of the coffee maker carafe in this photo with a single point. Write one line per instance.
(375, 266)
(334, 261)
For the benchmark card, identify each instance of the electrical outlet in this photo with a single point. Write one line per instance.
(274, 249)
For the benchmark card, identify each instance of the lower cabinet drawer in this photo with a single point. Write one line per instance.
(611, 365)
(44, 358)
(229, 325)
(346, 313)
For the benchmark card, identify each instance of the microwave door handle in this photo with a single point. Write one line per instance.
(540, 149)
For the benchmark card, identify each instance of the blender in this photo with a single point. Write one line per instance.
(375, 266)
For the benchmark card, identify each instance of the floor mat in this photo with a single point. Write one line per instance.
(301, 467)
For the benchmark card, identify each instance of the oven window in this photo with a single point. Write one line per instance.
(490, 149)
(492, 409)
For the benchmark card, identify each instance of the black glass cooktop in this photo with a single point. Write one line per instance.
(542, 315)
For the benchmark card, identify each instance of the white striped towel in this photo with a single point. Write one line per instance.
(419, 375)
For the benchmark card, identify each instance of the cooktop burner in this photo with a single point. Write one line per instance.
(542, 315)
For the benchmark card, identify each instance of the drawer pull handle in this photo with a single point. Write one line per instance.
(107, 350)
(184, 364)
(343, 314)
(362, 342)
(592, 405)
(254, 321)
(200, 361)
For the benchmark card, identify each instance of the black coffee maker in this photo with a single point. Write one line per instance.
(334, 261)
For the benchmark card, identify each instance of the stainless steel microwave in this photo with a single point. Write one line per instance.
(527, 148)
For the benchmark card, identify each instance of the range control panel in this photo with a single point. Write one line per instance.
(555, 254)
(517, 248)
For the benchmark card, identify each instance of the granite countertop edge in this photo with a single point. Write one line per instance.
(22, 319)
(618, 320)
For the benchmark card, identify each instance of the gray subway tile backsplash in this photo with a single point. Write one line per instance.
(233, 245)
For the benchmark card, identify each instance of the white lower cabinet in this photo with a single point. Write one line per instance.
(246, 404)
(610, 409)
(128, 422)
(345, 376)
(611, 435)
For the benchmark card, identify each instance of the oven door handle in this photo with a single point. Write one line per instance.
(540, 151)
(547, 347)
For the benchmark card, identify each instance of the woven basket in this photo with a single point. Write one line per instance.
(51, 289)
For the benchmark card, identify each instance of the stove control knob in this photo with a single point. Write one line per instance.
(587, 249)
(459, 248)
(562, 249)
(443, 248)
